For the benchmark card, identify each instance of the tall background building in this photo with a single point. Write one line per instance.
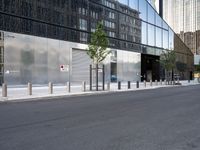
(184, 17)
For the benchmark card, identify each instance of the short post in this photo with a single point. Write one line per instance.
(178, 81)
(165, 82)
(29, 88)
(156, 81)
(151, 83)
(137, 84)
(4, 90)
(103, 70)
(129, 84)
(119, 85)
(68, 87)
(90, 77)
(108, 86)
(145, 83)
(160, 81)
(97, 77)
(50, 88)
(83, 86)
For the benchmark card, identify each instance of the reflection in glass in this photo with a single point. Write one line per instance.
(171, 39)
(151, 14)
(165, 39)
(144, 33)
(165, 26)
(158, 20)
(125, 2)
(133, 4)
(151, 35)
(158, 37)
(143, 9)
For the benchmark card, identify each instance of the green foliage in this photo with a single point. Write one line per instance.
(97, 48)
(180, 66)
(168, 60)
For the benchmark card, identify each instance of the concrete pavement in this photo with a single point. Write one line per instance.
(20, 93)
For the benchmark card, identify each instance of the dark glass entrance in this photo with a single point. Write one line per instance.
(150, 67)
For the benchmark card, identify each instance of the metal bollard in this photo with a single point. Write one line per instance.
(160, 81)
(29, 88)
(129, 84)
(108, 86)
(119, 85)
(151, 84)
(165, 82)
(156, 82)
(145, 83)
(69, 87)
(137, 84)
(83, 86)
(50, 88)
(178, 81)
(4, 90)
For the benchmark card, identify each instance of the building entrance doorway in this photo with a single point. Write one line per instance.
(150, 67)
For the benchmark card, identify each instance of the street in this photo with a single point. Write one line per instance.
(157, 119)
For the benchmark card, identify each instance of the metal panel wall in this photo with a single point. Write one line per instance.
(128, 66)
(80, 66)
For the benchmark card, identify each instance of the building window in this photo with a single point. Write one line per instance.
(109, 24)
(83, 37)
(94, 14)
(83, 24)
(111, 34)
(83, 11)
(111, 15)
(108, 4)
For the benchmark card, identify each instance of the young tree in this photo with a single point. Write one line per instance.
(97, 48)
(168, 61)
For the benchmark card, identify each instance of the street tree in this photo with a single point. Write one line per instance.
(168, 61)
(97, 48)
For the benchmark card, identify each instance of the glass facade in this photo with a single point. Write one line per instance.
(131, 25)
(74, 20)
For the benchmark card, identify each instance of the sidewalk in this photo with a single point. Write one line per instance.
(20, 93)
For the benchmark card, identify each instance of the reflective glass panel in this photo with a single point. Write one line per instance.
(158, 37)
(158, 20)
(151, 14)
(144, 33)
(133, 4)
(151, 35)
(171, 40)
(125, 2)
(165, 39)
(165, 26)
(143, 9)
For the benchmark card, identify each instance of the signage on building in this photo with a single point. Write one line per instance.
(64, 68)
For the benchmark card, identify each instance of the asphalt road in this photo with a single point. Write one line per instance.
(160, 119)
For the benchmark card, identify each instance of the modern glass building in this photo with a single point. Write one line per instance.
(184, 17)
(38, 36)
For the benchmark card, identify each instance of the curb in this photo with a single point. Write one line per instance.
(33, 98)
